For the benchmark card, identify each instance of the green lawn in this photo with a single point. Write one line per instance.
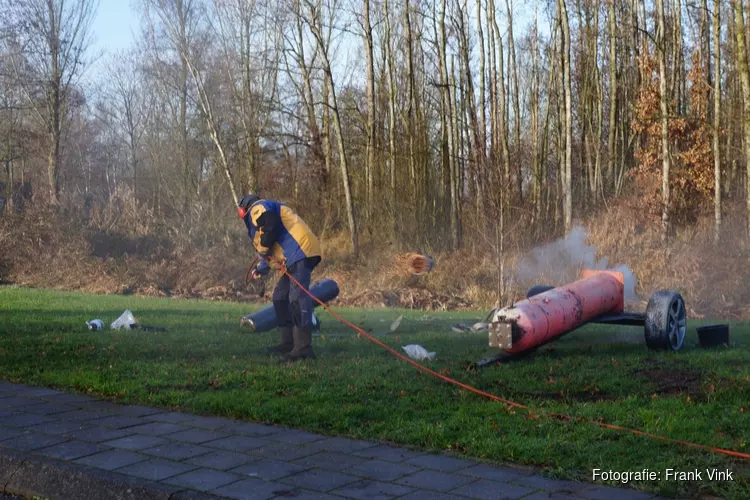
(206, 363)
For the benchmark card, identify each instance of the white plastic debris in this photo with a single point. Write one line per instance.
(417, 352)
(95, 324)
(126, 321)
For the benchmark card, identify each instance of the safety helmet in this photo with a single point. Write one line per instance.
(245, 204)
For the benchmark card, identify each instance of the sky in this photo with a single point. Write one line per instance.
(114, 25)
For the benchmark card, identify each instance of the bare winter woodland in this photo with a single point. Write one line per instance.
(470, 129)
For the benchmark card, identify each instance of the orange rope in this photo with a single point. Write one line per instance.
(440, 376)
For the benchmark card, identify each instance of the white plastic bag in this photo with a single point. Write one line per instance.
(417, 352)
(126, 321)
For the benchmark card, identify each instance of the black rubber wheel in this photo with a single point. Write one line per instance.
(666, 321)
(537, 289)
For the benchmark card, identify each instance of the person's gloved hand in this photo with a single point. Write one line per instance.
(256, 274)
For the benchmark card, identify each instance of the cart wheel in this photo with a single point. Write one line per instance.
(537, 289)
(666, 321)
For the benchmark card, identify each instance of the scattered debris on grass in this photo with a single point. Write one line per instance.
(418, 352)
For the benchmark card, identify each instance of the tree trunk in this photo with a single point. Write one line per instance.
(502, 118)
(534, 105)
(391, 123)
(663, 104)
(316, 31)
(516, 104)
(482, 102)
(370, 166)
(742, 68)
(613, 102)
(568, 170)
(717, 121)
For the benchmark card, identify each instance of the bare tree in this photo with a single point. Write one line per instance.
(663, 103)
(251, 51)
(54, 36)
(176, 18)
(370, 127)
(122, 107)
(313, 21)
(567, 89)
(717, 119)
(744, 71)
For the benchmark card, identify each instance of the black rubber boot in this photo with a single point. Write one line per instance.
(287, 342)
(302, 345)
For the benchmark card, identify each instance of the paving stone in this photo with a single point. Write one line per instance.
(59, 427)
(99, 434)
(548, 484)
(269, 470)
(99, 405)
(47, 408)
(431, 495)
(117, 422)
(252, 489)
(372, 490)
(18, 402)
(136, 442)
(112, 459)
(155, 469)
(249, 428)
(495, 473)
(441, 462)
(237, 443)
(435, 480)
(342, 445)
(177, 451)
(137, 411)
(156, 428)
(203, 479)
(71, 450)
(205, 422)
(319, 480)
(608, 493)
(36, 392)
(484, 488)
(546, 495)
(10, 432)
(197, 436)
(6, 412)
(389, 453)
(30, 441)
(27, 419)
(11, 387)
(283, 451)
(83, 415)
(293, 436)
(302, 494)
(69, 398)
(173, 417)
(380, 470)
(221, 460)
(330, 461)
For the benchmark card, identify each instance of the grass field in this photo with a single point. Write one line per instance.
(207, 364)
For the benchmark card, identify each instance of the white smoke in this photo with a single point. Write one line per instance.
(562, 261)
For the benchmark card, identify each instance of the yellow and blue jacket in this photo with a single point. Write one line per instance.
(277, 231)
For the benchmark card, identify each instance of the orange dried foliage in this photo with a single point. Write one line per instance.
(692, 172)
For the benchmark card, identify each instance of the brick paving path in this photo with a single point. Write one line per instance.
(233, 459)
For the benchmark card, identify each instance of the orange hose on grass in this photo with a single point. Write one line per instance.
(513, 404)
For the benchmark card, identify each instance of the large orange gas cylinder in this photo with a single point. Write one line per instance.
(544, 317)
